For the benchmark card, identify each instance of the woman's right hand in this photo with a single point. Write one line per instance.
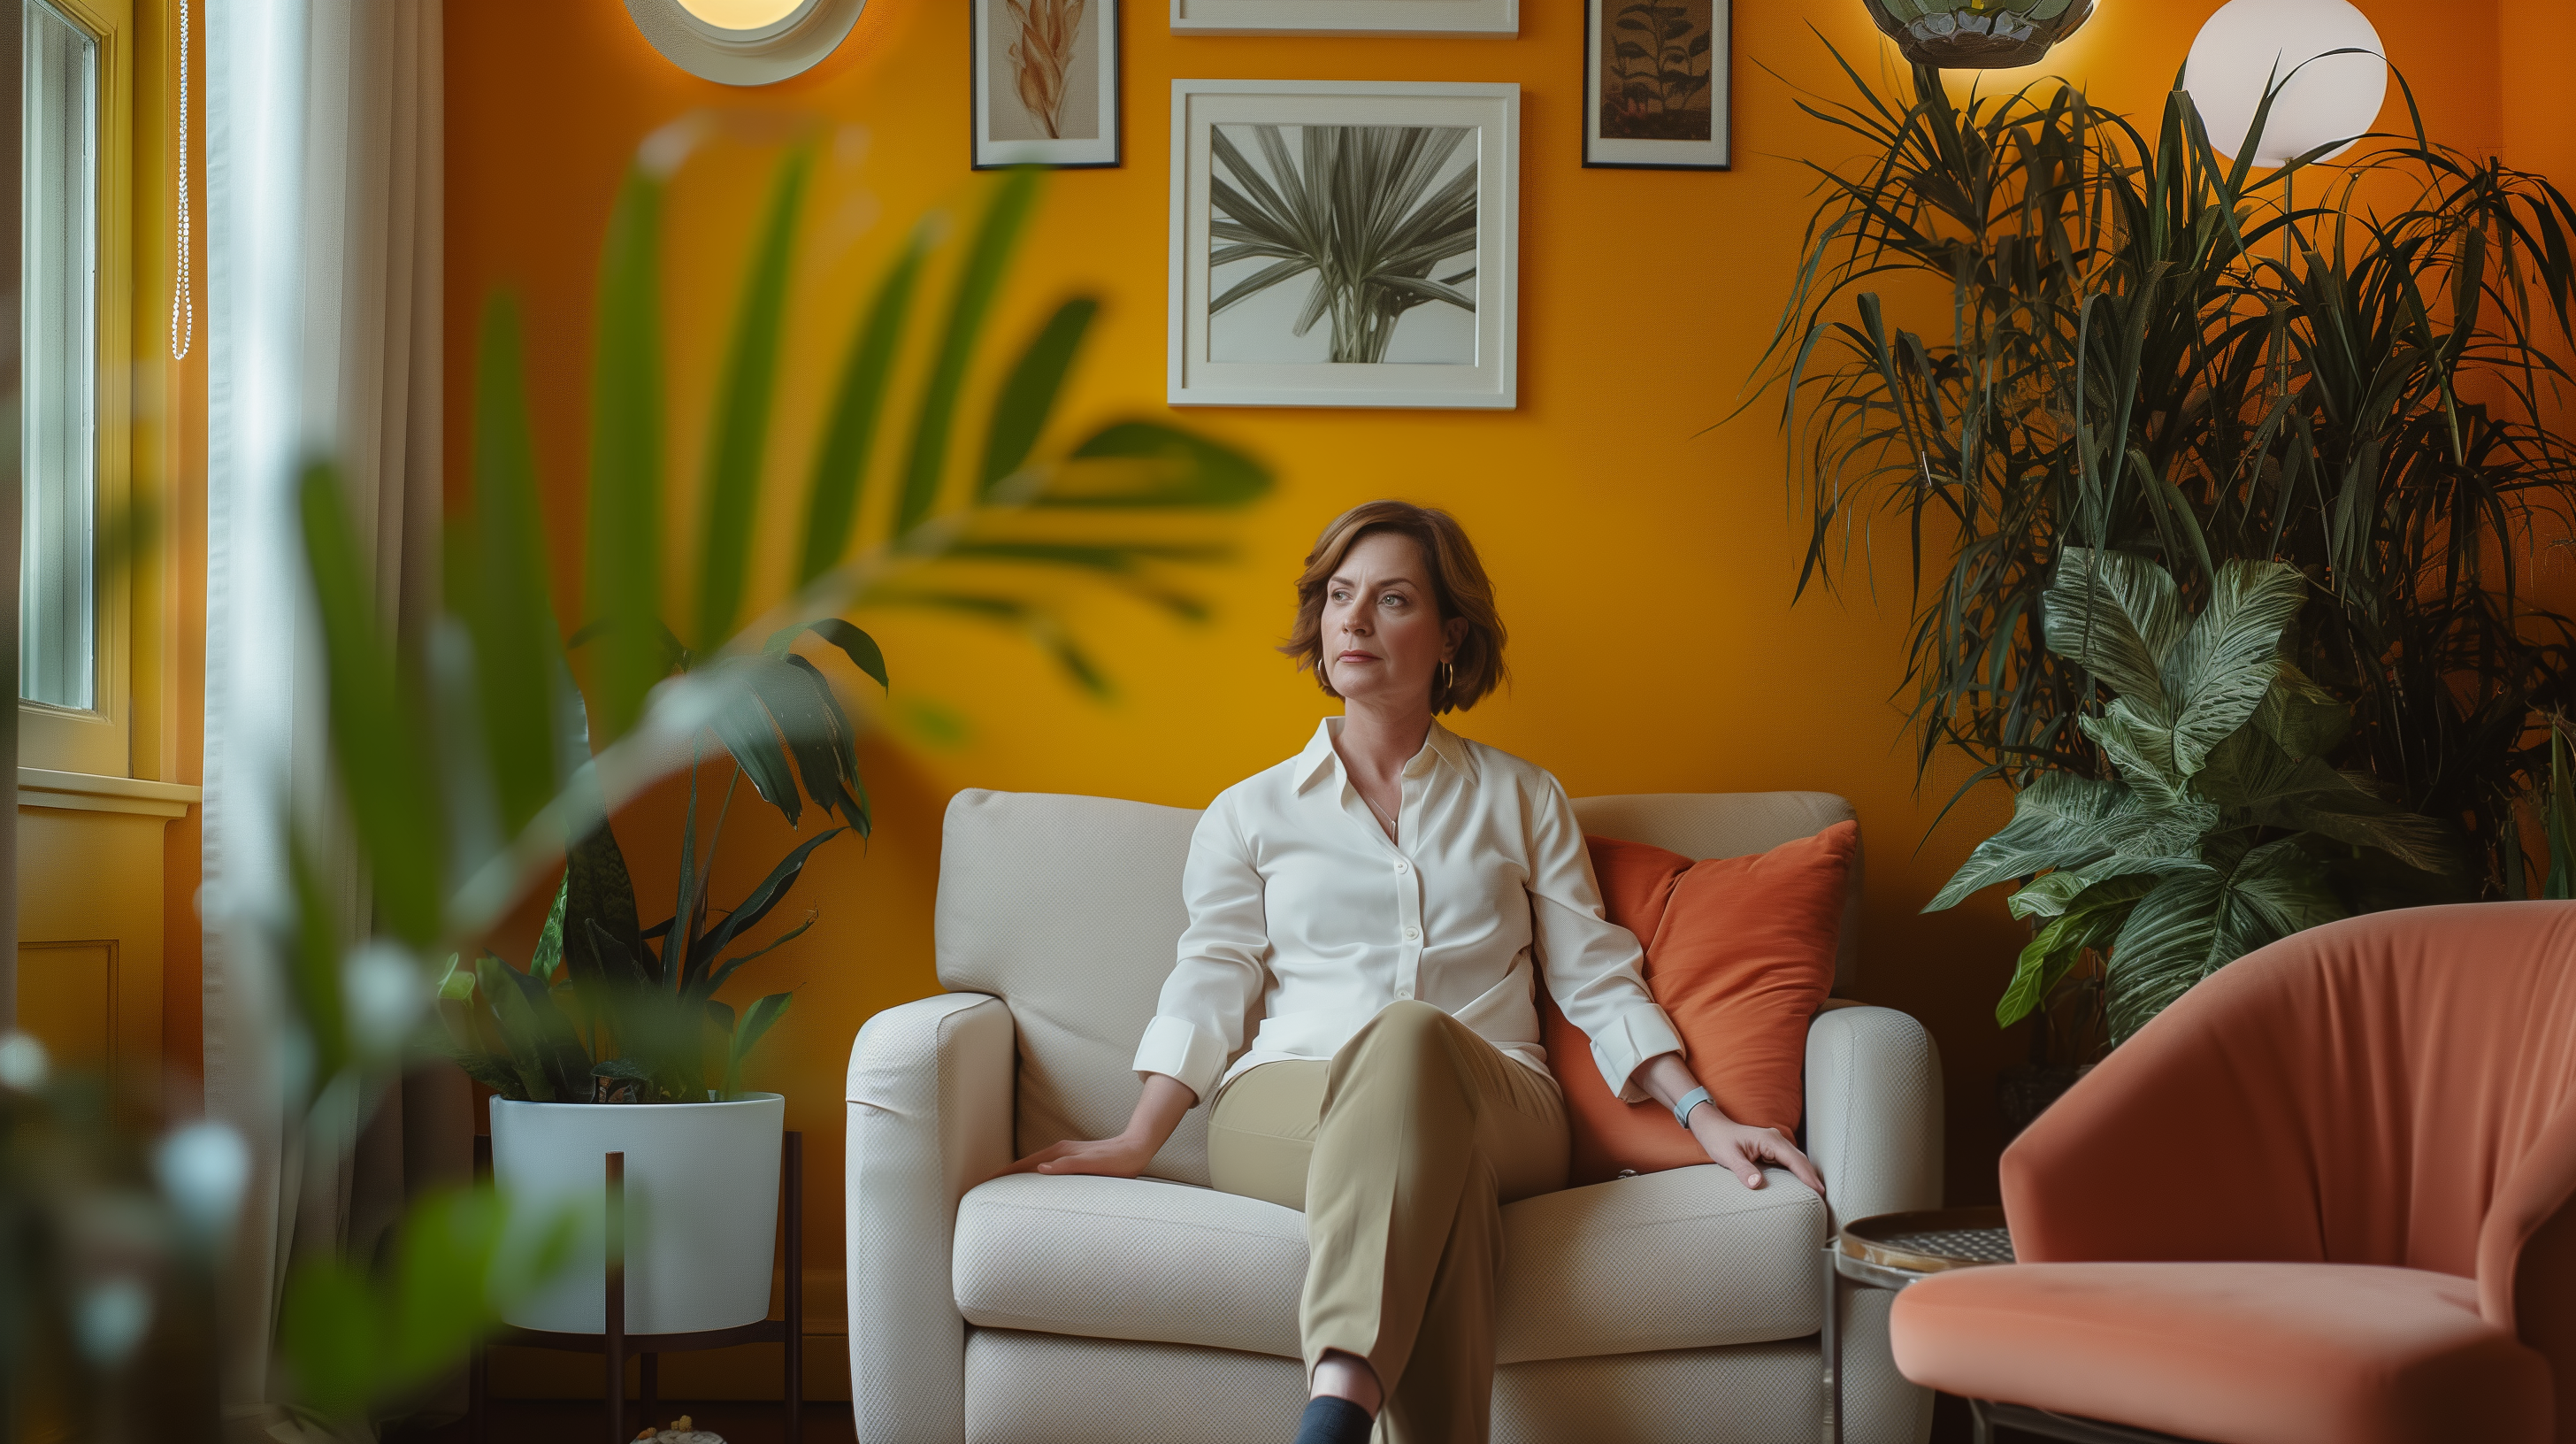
(1119, 1157)
(1158, 1112)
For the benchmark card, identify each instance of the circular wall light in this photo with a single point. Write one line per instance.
(2250, 45)
(745, 42)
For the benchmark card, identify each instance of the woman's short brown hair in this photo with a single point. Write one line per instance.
(1458, 583)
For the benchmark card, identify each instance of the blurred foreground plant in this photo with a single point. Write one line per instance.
(471, 772)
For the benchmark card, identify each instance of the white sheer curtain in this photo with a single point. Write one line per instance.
(324, 159)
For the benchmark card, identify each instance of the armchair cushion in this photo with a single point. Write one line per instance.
(1740, 951)
(2241, 1353)
(1678, 1260)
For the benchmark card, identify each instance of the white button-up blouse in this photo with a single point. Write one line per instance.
(1299, 901)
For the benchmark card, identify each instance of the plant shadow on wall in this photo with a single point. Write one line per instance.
(1656, 71)
(1375, 221)
(2167, 391)
(472, 773)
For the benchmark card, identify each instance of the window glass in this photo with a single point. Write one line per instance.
(58, 623)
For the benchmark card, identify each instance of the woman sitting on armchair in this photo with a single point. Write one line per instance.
(1384, 896)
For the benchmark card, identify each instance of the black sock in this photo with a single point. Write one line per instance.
(1329, 1420)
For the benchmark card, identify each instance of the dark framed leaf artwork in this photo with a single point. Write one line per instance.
(1658, 84)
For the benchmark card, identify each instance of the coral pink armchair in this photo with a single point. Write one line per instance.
(2324, 1199)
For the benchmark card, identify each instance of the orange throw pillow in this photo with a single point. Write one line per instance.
(1740, 952)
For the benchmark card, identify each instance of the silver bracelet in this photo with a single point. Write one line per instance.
(1690, 1100)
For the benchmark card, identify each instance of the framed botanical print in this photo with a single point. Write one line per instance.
(1344, 243)
(1045, 83)
(1658, 86)
(1346, 17)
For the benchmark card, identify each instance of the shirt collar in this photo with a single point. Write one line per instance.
(1442, 745)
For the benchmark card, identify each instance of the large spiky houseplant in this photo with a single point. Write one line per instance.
(2142, 348)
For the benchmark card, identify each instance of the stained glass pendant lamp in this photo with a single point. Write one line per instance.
(1978, 34)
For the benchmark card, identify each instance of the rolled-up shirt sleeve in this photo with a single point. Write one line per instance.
(1593, 967)
(1223, 967)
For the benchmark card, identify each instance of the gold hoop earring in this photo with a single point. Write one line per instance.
(1448, 680)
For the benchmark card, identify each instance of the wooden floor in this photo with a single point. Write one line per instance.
(565, 1422)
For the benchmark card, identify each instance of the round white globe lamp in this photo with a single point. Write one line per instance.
(744, 42)
(2252, 44)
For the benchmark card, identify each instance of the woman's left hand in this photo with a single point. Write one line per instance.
(1742, 1149)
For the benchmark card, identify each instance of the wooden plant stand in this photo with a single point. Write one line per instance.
(616, 1344)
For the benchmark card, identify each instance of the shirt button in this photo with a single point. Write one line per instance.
(1399, 865)
(1412, 933)
(1404, 992)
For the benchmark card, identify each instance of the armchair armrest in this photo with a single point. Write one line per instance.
(929, 1097)
(1873, 1111)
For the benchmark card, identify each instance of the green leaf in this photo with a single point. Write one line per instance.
(2304, 718)
(861, 648)
(1142, 464)
(772, 890)
(739, 441)
(599, 900)
(2226, 664)
(2560, 884)
(2197, 922)
(743, 724)
(505, 601)
(2060, 820)
(387, 768)
(2116, 614)
(624, 570)
(1028, 397)
(858, 404)
(2251, 773)
(978, 281)
(548, 954)
(756, 1022)
(2088, 923)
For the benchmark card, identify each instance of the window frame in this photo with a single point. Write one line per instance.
(99, 740)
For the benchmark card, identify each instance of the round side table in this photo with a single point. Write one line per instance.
(1891, 1251)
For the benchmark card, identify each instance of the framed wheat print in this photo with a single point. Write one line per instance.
(1045, 83)
(1346, 17)
(1658, 84)
(1344, 243)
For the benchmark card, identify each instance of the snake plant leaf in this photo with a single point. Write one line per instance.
(2060, 820)
(2199, 921)
(2225, 665)
(2118, 615)
(601, 894)
(547, 956)
(744, 726)
(2088, 923)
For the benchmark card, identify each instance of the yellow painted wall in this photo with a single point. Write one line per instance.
(1644, 565)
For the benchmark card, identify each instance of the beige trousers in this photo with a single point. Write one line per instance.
(1402, 1152)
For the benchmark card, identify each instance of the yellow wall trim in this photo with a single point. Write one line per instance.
(89, 792)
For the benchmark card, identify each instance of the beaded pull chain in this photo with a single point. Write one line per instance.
(183, 301)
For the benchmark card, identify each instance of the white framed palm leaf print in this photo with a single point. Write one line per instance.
(1344, 243)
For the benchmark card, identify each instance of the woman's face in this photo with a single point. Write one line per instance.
(1382, 634)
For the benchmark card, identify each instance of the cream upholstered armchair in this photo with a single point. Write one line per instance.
(1026, 1310)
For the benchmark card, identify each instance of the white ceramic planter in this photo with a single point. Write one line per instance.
(701, 1207)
